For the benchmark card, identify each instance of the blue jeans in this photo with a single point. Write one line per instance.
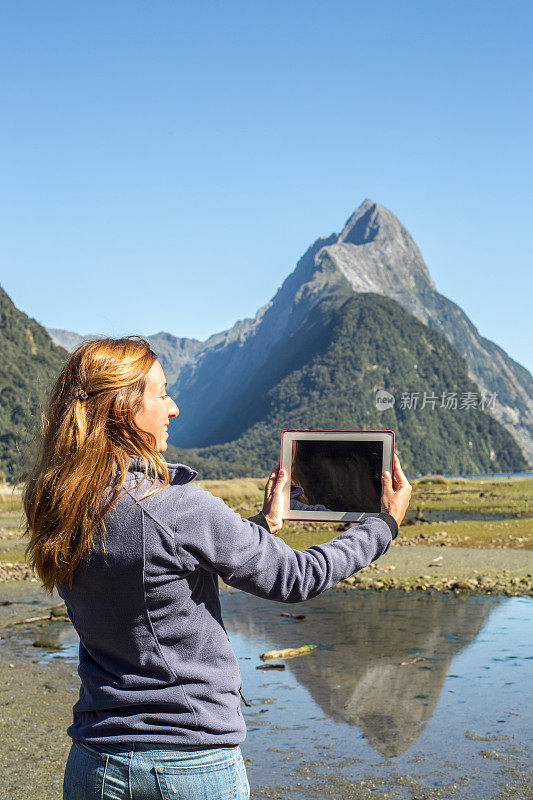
(149, 772)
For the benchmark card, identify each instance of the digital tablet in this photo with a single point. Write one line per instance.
(334, 475)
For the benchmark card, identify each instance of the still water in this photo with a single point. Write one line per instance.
(351, 710)
(408, 695)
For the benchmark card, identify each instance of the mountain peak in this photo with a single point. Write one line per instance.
(370, 222)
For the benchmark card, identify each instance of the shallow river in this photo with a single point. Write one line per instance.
(408, 696)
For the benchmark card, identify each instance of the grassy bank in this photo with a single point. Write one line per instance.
(458, 512)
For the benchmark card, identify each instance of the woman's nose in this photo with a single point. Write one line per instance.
(173, 410)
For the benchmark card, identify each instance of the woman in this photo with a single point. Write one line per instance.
(135, 550)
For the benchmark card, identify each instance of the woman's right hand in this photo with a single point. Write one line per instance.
(396, 492)
(273, 504)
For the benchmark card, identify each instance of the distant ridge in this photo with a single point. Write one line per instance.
(69, 340)
(173, 352)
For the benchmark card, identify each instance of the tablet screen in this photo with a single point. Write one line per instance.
(337, 475)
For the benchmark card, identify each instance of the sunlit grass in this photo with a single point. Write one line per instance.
(509, 496)
(13, 556)
(10, 502)
(237, 491)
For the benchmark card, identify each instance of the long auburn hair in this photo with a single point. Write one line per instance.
(88, 433)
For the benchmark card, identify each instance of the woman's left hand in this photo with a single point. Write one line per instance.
(273, 504)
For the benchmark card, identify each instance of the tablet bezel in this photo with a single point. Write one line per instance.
(289, 436)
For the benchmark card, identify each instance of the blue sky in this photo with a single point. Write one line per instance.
(165, 164)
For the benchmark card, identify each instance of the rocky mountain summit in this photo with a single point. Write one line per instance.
(216, 381)
(377, 254)
(373, 253)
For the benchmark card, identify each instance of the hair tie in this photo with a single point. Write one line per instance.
(81, 394)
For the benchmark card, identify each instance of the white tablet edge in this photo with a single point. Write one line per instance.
(288, 437)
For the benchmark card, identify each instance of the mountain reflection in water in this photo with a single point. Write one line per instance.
(358, 678)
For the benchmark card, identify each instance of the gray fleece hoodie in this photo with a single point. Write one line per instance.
(155, 661)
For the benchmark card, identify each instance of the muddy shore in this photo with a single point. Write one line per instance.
(36, 701)
(461, 570)
(426, 567)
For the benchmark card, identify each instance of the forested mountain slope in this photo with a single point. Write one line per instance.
(29, 362)
(337, 363)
